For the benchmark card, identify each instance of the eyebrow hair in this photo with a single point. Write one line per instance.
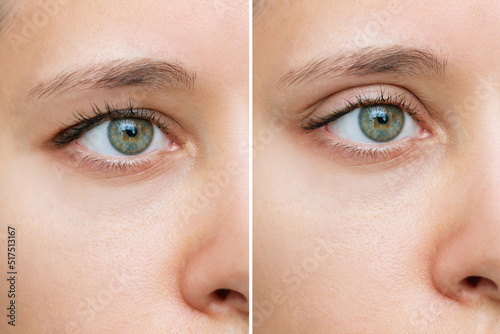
(117, 73)
(6, 14)
(394, 59)
(257, 8)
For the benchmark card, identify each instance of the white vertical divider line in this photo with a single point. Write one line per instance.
(250, 156)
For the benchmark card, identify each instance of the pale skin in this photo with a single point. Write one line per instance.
(158, 248)
(406, 242)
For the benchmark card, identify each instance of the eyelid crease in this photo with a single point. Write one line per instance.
(362, 100)
(85, 123)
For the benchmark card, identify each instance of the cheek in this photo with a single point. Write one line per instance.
(113, 261)
(357, 234)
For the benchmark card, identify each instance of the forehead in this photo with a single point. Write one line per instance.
(210, 36)
(289, 33)
(157, 25)
(340, 24)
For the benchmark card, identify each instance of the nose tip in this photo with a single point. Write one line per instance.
(216, 289)
(465, 269)
(215, 278)
(473, 289)
(479, 285)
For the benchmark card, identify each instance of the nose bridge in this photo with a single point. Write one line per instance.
(479, 224)
(226, 204)
(228, 179)
(483, 156)
(226, 188)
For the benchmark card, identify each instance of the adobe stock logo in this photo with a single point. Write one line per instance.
(226, 7)
(293, 279)
(211, 190)
(30, 26)
(426, 315)
(376, 24)
(95, 306)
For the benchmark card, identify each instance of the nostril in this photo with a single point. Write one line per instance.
(222, 293)
(230, 299)
(472, 281)
(477, 281)
(226, 294)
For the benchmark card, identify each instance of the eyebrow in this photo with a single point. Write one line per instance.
(395, 59)
(6, 14)
(117, 73)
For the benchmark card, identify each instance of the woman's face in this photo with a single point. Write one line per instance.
(376, 167)
(124, 165)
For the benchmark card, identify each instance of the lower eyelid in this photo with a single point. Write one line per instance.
(365, 154)
(82, 161)
(352, 154)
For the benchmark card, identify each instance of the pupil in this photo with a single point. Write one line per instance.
(131, 131)
(382, 119)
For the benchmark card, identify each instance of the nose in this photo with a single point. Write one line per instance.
(215, 279)
(466, 266)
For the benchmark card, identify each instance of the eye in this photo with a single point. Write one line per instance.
(370, 124)
(128, 140)
(124, 137)
(379, 123)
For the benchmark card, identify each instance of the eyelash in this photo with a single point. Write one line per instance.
(364, 151)
(85, 123)
(399, 100)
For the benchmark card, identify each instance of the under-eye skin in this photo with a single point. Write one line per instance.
(373, 126)
(115, 138)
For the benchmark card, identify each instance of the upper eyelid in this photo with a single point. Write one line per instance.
(362, 99)
(85, 123)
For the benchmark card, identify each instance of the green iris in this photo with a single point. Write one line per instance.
(381, 122)
(130, 135)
